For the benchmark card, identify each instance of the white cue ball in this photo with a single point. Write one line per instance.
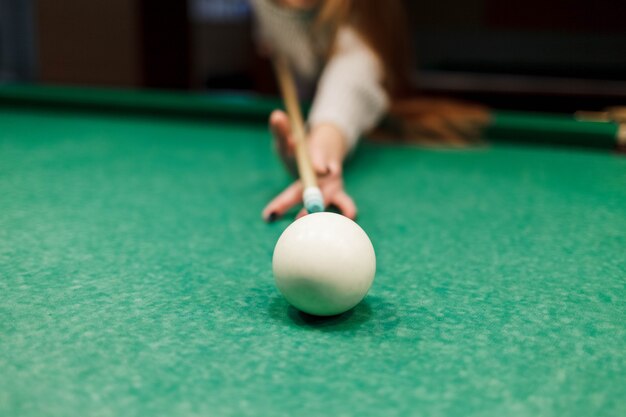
(324, 264)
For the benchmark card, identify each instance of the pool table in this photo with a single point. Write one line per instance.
(135, 269)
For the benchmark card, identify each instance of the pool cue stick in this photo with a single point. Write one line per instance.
(311, 195)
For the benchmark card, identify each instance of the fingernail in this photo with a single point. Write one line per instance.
(272, 217)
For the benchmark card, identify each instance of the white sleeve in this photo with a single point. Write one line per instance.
(350, 94)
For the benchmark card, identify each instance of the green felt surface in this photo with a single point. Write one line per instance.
(135, 278)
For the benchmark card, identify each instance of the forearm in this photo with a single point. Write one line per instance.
(350, 94)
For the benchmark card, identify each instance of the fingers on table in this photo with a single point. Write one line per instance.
(290, 197)
(301, 213)
(342, 201)
(345, 204)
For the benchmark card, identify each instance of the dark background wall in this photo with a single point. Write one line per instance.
(551, 37)
(483, 49)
